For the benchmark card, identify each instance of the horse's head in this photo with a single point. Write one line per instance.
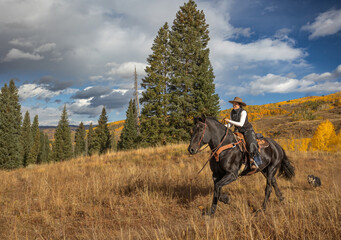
(200, 135)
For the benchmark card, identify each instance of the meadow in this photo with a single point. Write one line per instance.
(156, 193)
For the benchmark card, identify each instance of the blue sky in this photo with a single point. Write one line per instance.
(82, 53)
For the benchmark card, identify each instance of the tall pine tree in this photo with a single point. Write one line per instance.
(191, 88)
(129, 133)
(154, 116)
(93, 146)
(80, 140)
(62, 146)
(35, 148)
(102, 133)
(26, 136)
(44, 150)
(11, 150)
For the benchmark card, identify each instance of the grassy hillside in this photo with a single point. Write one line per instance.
(155, 193)
(296, 118)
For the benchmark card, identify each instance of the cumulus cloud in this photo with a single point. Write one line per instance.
(20, 42)
(325, 24)
(272, 83)
(48, 116)
(15, 54)
(261, 50)
(324, 76)
(90, 101)
(45, 48)
(33, 90)
(96, 78)
(126, 70)
(83, 107)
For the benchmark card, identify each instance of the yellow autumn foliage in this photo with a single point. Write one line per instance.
(300, 145)
(324, 137)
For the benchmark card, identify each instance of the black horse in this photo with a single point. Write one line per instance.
(209, 130)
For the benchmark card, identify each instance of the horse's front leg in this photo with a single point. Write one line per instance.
(218, 184)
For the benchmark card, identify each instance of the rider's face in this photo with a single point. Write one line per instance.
(236, 106)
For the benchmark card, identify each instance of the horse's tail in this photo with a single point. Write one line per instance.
(287, 170)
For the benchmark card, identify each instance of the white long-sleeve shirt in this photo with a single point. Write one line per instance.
(241, 122)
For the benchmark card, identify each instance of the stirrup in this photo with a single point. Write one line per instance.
(253, 169)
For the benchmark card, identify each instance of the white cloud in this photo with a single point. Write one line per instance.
(83, 107)
(20, 42)
(272, 83)
(33, 90)
(218, 18)
(45, 48)
(325, 76)
(15, 54)
(126, 70)
(261, 50)
(96, 78)
(325, 24)
(47, 116)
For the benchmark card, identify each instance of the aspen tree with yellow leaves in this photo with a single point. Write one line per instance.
(324, 137)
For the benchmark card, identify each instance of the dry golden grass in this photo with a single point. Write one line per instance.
(156, 194)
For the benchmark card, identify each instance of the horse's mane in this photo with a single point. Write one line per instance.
(213, 118)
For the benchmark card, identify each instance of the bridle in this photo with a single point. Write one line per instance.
(202, 137)
(203, 134)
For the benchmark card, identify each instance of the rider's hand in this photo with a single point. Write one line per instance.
(227, 120)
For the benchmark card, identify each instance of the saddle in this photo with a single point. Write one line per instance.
(262, 143)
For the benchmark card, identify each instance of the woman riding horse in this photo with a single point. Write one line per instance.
(240, 120)
(208, 130)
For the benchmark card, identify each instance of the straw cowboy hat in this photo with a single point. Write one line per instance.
(238, 100)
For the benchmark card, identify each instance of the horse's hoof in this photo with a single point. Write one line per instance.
(224, 198)
(207, 212)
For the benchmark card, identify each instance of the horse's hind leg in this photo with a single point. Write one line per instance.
(268, 189)
(277, 191)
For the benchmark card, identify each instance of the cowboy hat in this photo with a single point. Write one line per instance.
(238, 100)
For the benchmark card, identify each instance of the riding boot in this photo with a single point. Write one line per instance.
(257, 160)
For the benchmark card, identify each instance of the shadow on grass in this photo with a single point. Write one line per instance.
(183, 193)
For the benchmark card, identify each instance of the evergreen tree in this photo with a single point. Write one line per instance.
(129, 133)
(44, 150)
(80, 140)
(191, 87)
(41, 155)
(154, 120)
(92, 141)
(47, 149)
(62, 146)
(11, 150)
(102, 133)
(26, 136)
(35, 148)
